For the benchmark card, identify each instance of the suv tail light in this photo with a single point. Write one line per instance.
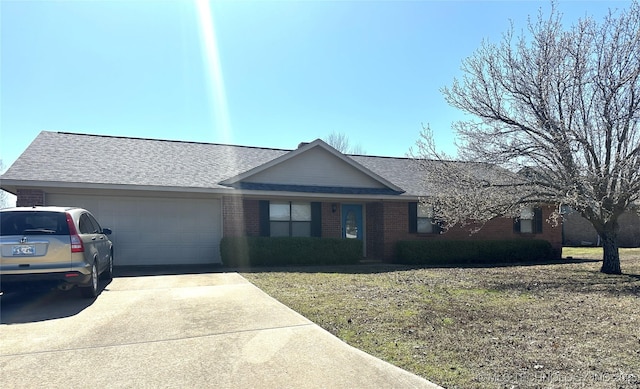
(76, 243)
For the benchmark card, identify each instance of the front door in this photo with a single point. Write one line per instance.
(352, 221)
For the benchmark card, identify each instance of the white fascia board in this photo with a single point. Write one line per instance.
(216, 191)
(84, 185)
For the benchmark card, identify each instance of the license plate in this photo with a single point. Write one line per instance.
(24, 250)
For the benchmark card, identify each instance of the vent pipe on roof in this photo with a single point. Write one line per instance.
(303, 144)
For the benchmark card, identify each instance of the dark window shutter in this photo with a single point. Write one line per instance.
(316, 219)
(537, 220)
(413, 217)
(516, 225)
(265, 229)
(437, 227)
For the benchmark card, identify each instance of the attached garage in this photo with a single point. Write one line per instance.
(155, 230)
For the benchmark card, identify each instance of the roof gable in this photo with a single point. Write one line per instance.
(314, 167)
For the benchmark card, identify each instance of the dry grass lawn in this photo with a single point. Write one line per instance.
(561, 325)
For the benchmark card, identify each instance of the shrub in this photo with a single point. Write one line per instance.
(444, 252)
(264, 251)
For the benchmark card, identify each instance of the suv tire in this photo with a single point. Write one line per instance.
(92, 290)
(108, 272)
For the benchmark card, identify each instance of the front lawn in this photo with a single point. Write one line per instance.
(556, 325)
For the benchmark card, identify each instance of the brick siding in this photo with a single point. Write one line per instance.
(240, 217)
(331, 221)
(375, 230)
(386, 223)
(392, 224)
(29, 197)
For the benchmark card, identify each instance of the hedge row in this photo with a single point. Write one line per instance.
(444, 252)
(264, 251)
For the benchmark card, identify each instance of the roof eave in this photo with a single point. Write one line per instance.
(13, 185)
(37, 184)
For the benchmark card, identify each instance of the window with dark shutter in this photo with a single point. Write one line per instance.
(421, 219)
(413, 217)
(316, 219)
(529, 221)
(264, 218)
(290, 218)
(537, 220)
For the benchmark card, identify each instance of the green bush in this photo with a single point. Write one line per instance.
(264, 251)
(445, 252)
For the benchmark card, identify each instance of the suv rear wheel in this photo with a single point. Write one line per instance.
(108, 272)
(92, 290)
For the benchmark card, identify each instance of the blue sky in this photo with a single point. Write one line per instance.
(257, 73)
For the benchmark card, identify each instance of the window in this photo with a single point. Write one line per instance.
(421, 219)
(290, 218)
(351, 225)
(529, 222)
(425, 219)
(96, 225)
(89, 225)
(526, 220)
(85, 225)
(33, 223)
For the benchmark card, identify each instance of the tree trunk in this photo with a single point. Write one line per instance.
(610, 256)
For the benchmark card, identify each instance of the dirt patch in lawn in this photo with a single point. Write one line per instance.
(561, 325)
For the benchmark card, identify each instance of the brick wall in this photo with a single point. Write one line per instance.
(331, 222)
(241, 217)
(375, 230)
(251, 217)
(29, 197)
(396, 227)
(395, 220)
(386, 223)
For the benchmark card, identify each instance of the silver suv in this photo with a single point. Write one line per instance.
(64, 247)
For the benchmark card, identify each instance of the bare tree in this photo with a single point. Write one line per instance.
(559, 107)
(340, 142)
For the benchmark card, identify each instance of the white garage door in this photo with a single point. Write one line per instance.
(155, 231)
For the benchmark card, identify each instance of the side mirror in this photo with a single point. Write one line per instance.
(107, 231)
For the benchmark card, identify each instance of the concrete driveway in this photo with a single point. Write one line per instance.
(176, 331)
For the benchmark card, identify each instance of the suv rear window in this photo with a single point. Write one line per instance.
(33, 223)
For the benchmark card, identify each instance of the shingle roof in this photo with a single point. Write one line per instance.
(94, 159)
(79, 158)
